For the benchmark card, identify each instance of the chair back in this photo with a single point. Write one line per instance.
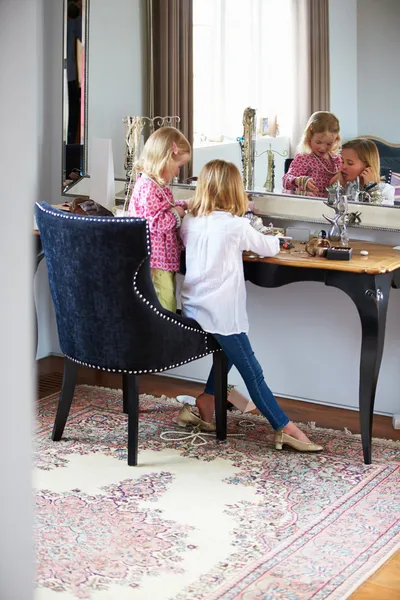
(107, 311)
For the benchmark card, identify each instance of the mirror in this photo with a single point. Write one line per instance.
(75, 71)
(115, 77)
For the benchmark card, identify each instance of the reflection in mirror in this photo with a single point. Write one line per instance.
(361, 108)
(259, 73)
(74, 91)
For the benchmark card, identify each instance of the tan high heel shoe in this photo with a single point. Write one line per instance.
(187, 417)
(283, 438)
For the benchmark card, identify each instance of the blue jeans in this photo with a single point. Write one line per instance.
(238, 349)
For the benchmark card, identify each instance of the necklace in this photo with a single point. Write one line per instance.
(325, 167)
(159, 186)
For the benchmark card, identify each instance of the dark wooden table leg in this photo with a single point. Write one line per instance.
(370, 294)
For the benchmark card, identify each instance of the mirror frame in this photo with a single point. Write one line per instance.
(65, 190)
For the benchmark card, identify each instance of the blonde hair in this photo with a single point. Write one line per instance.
(219, 187)
(367, 152)
(320, 122)
(164, 147)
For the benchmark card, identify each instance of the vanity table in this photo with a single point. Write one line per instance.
(367, 280)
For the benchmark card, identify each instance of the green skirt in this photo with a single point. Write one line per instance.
(165, 285)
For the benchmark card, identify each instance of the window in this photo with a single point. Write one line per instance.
(242, 56)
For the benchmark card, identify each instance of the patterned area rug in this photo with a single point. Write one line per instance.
(201, 520)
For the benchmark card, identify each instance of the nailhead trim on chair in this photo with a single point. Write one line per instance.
(142, 371)
(132, 220)
(160, 313)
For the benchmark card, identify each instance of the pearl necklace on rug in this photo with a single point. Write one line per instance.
(325, 167)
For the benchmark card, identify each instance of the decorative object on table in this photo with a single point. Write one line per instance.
(137, 130)
(102, 183)
(318, 246)
(339, 221)
(300, 234)
(339, 253)
(286, 244)
(247, 146)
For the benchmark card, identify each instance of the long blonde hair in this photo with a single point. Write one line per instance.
(163, 148)
(367, 152)
(219, 187)
(320, 122)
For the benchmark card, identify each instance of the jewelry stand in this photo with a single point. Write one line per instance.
(340, 220)
(269, 184)
(137, 130)
(247, 146)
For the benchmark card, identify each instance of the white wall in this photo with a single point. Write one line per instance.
(343, 64)
(364, 45)
(50, 166)
(21, 126)
(378, 44)
(116, 71)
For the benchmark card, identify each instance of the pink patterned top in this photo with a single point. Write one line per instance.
(153, 203)
(311, 166)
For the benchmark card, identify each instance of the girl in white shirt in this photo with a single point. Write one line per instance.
(215, 234)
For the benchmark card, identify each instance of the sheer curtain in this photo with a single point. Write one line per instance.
(242, 56)
(170, 46)
(272, 55)
(311, 61)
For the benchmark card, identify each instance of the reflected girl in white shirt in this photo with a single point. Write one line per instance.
(215, 234)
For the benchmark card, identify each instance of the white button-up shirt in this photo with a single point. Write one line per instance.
(213, 292)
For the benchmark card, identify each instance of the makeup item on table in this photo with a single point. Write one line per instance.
(339, 253)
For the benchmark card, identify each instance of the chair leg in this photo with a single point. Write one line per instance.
(220, 364)
(124, 393)
(131, 396)
(64, 403)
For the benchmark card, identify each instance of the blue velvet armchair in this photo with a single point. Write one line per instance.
(108, 314)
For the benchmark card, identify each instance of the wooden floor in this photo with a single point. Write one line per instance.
(384, 584)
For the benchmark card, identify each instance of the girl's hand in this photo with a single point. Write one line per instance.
(180, 210)
(184, 205)
(367, 175)
(335, 178)
(311, 187)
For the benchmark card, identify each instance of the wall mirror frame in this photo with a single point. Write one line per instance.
(75, 66)
(275, 205)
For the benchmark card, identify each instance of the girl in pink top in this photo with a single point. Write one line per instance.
(165, 152)
(317, 164)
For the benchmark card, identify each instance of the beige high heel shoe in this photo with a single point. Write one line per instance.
(187, 417)
(283, 438)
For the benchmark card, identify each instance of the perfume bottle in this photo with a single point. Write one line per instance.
(344, 236)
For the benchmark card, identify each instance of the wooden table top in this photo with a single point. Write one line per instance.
(380, 259)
